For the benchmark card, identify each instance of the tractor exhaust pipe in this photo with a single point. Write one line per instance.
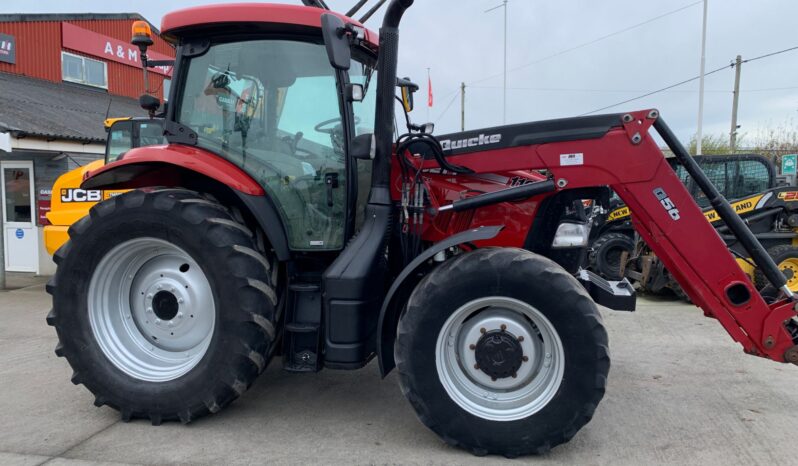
(386, 90)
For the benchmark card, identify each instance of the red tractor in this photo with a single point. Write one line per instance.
(284, 218)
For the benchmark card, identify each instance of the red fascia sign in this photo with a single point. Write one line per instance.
(98, 45)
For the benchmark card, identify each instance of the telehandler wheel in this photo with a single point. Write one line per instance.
(163, 305)
(501, 351)
(786, 257)
(605, 254)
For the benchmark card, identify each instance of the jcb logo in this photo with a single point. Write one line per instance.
(81, 195)
(789, 196)
(666, 202)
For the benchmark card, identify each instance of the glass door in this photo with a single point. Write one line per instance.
(19, 230)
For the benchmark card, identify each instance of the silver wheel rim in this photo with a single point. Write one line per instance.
(508, 398)
(151, 309)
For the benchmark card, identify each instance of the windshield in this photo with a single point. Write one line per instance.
(273, 108)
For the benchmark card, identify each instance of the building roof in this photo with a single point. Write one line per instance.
(27, 17)
(38, 108)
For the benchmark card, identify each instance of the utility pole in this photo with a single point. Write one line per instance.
(699, 133)
(738, 64)
(504, 85)
(462, 106)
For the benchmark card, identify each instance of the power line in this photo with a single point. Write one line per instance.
(657, 91)
(689, 80)
(591, 42)
(448, 106)
(565, 89)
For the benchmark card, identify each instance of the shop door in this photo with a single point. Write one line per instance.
(19, 231)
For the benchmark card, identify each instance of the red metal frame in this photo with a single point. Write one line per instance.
(689, 246)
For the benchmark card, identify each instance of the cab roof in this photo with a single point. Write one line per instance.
(274, 13)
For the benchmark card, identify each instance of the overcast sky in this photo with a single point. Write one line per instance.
(460, 42)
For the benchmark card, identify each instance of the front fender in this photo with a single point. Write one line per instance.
(405, 283)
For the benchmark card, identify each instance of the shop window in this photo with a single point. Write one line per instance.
(77, 69)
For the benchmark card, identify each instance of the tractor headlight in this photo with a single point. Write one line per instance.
(571, 235)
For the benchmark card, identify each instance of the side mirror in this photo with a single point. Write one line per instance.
(408, 88)
(149, 103)
(336, 41)
(407, 99)
(363, 147)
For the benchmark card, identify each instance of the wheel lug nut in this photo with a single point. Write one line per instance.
(149, 310)
(525, 358)
(503, 327)
(514, 375)
(172, 289)
(482, 330)
(180, 300)
(157, 321)
(171, 323)
(159, 287)
(476, 366)
(521, 338)
(149, 296)
(493, 379)
(179, 315)
(473, 347)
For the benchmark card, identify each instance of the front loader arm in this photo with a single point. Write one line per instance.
(668, 219)
(628, 159)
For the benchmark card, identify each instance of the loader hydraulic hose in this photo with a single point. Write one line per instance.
(384, 118)
(733, 221)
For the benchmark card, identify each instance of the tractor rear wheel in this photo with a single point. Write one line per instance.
(606, 252)
(786, 258)
(501, 351)
(163, 305)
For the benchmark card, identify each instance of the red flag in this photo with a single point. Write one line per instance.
(429, 91)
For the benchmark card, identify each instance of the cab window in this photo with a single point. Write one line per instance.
(272, 107)
(120, 140)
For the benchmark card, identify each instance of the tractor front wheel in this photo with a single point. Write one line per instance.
(501, 351)
(163, 305)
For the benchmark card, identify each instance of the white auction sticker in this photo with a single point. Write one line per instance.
(572, 159)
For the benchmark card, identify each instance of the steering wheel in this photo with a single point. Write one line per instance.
(323, 126)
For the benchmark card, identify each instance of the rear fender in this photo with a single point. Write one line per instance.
(193, 168)
(404, 284)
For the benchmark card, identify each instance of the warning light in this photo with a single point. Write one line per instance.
(142, 34)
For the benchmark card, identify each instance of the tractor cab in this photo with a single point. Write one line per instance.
(287, 126)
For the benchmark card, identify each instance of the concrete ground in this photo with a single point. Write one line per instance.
(680, 392)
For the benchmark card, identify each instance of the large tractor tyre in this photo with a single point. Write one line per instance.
(163, 305)
(606, 252)
(501, 351)
(786, 257)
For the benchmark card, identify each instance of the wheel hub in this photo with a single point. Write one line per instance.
(164, 304)
(499, 354)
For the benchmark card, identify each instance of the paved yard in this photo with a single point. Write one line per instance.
(680, 392)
